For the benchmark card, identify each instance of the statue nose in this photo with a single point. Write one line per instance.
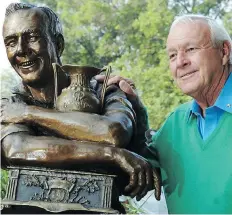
(22, 48)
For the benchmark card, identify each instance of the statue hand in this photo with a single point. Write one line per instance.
(142, 177)
(157, 183)
(12, 112)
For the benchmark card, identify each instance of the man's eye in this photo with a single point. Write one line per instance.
(172, 56)
(191, 49)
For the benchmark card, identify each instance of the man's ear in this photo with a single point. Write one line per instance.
(60, 44)
(226, 49)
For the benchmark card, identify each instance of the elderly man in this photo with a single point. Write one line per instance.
(194, 145)
(35, 134)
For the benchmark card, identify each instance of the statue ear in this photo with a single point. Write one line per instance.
(60, 44)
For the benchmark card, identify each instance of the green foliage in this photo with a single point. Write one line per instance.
(4, 179)
(130, 209)
(227, 19)
(131, 35)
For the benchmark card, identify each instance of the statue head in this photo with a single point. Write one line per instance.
(34, 40)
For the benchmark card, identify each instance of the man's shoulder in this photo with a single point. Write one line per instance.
(177, 118)
(182, 111)
(183, 108)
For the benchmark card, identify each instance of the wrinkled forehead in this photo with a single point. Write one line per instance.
(24, 20)
(188, 31)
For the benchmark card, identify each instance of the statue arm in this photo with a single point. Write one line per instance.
(24, 149)
(115, 128)
(22, 146)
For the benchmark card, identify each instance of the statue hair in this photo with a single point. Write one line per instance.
(54, 24)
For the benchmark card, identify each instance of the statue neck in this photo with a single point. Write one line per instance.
(43, 94)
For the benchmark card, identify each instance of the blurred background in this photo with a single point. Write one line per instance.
(130, 35)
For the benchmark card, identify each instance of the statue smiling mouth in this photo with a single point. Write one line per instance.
(29, 66)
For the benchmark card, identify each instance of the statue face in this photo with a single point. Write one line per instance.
(29, 46)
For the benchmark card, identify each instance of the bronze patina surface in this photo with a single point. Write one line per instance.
(60, 190)
(36, 134)
(79, 95)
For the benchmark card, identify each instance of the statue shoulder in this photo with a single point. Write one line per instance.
(16, 94)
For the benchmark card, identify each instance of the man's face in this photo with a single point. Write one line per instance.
(29, 47)
(195, 64)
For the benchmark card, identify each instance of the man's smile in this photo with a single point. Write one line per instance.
(188, 75)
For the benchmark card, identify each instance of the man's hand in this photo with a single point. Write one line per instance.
(142, 177)
(12, 112)
(125, 84)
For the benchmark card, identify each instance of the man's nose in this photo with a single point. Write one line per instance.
(182, 60)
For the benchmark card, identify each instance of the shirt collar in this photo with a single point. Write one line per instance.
(224, 100)
(194, 110)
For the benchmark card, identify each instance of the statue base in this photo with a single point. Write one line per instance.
(56, 191)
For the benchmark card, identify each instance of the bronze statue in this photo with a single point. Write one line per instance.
(34, 133)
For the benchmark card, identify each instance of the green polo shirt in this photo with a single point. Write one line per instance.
(196, 173)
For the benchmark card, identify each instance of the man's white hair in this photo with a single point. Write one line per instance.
(218, 32)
